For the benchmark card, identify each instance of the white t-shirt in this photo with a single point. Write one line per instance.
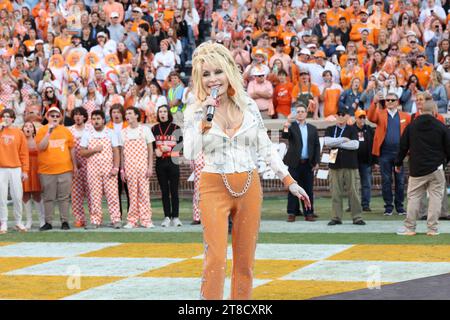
(117, 128)
(77, 134)
(134, 134)
(427, 13)
(94, 134)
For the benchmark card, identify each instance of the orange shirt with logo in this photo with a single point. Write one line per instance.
(56, 159)
(282, 98)
(13, 149)
(424, 75)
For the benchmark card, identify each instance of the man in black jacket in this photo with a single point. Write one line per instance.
(322, 29)
(96, 28)
(302, 158)
(343, 163)
(365, 157)
(428, 142)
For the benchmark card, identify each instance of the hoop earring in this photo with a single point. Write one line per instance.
(230, 91)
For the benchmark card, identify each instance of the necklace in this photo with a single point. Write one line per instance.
(230, 118)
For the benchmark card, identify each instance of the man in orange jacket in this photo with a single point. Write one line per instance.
(14, 165)
(390, 125)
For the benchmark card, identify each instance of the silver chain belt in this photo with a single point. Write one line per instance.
(244, 190)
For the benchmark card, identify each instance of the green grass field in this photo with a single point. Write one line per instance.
(274, 209)
(196, 237)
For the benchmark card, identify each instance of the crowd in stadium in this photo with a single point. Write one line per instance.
(92, 91)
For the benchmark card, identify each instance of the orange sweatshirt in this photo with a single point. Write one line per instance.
(13, 149)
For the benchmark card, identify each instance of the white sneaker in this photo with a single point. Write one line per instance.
(129, 226)
(150, 226)
(20, 227)
(176, 222)
(3, 228)
(166, 222)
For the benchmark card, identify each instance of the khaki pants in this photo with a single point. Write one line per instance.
(342, 182)
(444, 205)
(434, 183)
(56, 187)
(216, 205)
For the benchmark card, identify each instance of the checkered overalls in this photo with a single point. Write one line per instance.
(6, 94)
(100, 181)
(90, 106)
(199, 164)
(80, 189)
(135, 153)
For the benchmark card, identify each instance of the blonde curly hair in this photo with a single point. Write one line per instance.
(217, 55)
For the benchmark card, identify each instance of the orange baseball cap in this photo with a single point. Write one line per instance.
(320, 54)
(359, 113)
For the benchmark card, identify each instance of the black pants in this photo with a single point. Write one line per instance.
(123, 186)
(304, 175)
(168, 174)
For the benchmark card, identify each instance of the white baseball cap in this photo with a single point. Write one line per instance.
(305, 51)
(53, 109)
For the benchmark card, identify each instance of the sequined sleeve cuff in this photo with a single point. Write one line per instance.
(288, 180)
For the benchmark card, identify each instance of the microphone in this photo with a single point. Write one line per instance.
(211, 109)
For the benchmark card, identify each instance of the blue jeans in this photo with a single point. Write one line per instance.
(429, 51)
(191, 46)
(184, 46)
(386, 161)
(365, 175)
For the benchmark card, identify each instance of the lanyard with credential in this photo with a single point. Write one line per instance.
(334, 152)
(342, 131)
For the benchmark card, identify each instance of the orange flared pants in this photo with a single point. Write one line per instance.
(216, 205)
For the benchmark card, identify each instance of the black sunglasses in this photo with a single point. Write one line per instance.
(391, 100)
(340, 114)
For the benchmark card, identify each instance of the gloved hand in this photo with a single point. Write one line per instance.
(300, 193)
